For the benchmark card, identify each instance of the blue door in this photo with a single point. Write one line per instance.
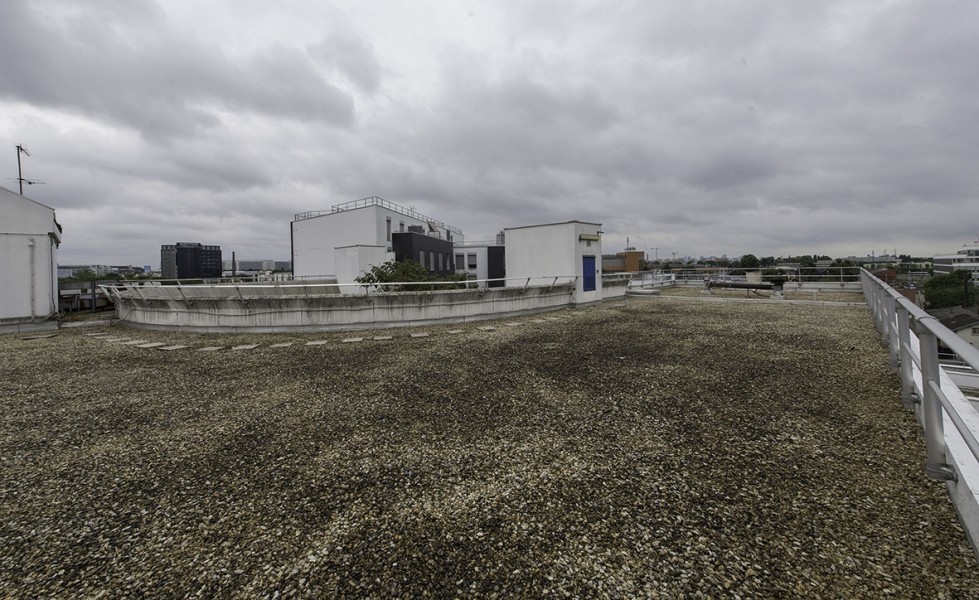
(588, 270)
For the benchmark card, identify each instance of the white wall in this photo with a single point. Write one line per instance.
(28, 259)
(554, 250)
(315, 240)
(967, 335)
(354, 261)
(481, 271)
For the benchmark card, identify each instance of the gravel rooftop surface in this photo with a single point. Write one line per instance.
(668, 449)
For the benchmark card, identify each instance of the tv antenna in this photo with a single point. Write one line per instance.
(20, 175)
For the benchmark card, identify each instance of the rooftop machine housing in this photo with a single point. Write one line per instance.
(570, 249)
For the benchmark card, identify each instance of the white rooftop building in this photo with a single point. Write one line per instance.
(966, 259)
(316, 235)
(29, 240)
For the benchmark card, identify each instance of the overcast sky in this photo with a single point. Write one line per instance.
(694, 127)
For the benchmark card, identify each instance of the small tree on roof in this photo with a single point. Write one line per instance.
(404, 271)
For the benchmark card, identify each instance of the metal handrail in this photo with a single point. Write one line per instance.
(375, 201)
(545, 281)
(912, 336)
(953, 414)
(804, 274)
(968, 353)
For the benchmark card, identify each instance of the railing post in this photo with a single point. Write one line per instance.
(885, 326)
(893, 344)
(874, 305)
(881, 313)
(937, 466)
(908, 396)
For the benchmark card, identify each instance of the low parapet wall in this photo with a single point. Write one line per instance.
(614, 287)
(27, 325)
(241, 309)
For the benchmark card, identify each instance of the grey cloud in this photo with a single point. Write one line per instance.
(129, 67)
(282, 81)
(733, 168)
(350, 55)
(517, 122)
(756, 126)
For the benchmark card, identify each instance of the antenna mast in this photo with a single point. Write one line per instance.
(20, 176)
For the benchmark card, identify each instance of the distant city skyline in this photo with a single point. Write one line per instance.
(245, 264)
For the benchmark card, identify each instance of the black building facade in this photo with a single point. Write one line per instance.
(186, 260)
(496, 265)
(435, 254)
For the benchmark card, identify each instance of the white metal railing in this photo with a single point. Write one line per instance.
(621, 276)
(538, 281)
(376, 201)
(794, 275)
(912, 337)
(253, 290)
(654, 278)
(195, 281)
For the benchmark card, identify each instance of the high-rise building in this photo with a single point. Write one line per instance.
(190, 260)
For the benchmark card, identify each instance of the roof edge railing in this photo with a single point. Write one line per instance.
(912, 337)
(399, 286)
(376, 201)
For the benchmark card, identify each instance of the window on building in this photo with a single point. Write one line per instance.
(421, 258)
(460, 260)
(471, 261)
(975, 331)
(440, 262)
(431, 260)
(401, 225)
(389, 229)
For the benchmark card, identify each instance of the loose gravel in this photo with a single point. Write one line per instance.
(663, 449)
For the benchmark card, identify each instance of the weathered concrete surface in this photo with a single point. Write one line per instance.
(613, 288)
(15, 326)
(272, 309)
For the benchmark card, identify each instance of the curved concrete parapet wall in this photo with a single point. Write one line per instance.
(614, 287)
(296, 308)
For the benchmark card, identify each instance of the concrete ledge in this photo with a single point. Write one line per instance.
(27, 327)
(170, 308)
(613, 288)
